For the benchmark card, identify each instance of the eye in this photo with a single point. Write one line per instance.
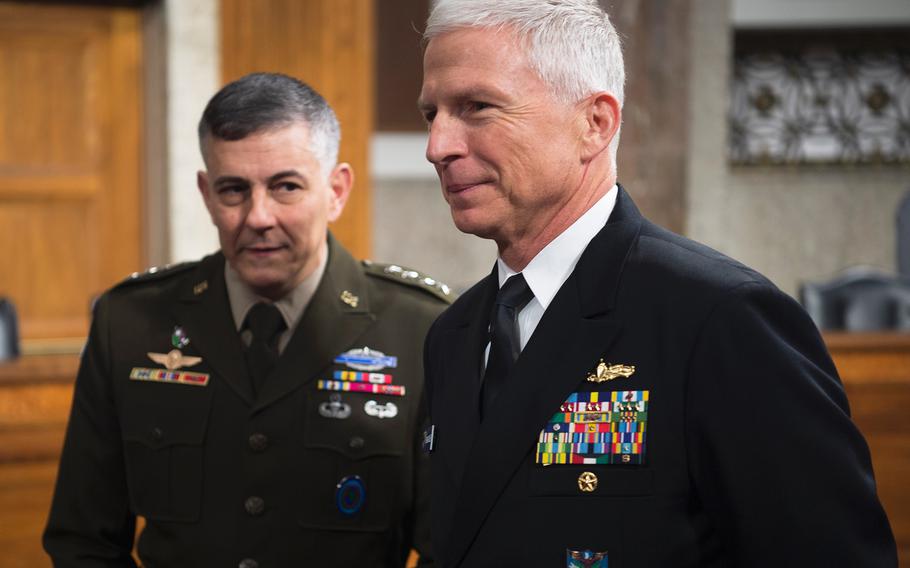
(429, 115)
(232, 194)
(286, 187)
(477, 106)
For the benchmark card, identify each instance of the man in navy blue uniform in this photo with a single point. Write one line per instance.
(612, 394)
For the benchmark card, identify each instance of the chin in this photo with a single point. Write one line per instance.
(473, 225)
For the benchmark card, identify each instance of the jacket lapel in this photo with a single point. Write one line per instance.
(459, 396)
(576, 329)
(328, 327)
(205, 313)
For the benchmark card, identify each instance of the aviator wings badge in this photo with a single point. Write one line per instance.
(174, 359)
(606, 372)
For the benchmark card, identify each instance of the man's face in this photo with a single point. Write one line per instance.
(271, 204)
(507, 153)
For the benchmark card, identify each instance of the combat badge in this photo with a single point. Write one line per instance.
(605, 372)
(387, 410)
(366, 359)
(586, 559)
(334, 408)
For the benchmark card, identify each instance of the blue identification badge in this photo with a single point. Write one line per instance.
(350, 494)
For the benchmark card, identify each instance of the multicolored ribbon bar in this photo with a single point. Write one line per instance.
(391, 390)
(165, 376)
(359, 377)
(596, 428)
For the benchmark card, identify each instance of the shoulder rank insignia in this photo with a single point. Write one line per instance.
(410, 277)
(174, 359)
(606, 372)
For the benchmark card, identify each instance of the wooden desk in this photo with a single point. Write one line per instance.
(36, 392)
(875, 369)
(35, 398)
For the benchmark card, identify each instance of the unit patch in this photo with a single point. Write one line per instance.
(165, 376)
(596, 428)
(585, 559)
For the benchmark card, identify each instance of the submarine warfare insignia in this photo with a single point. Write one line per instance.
(606, 372)
(366, 359)
(335, 408)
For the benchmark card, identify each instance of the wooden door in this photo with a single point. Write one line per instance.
(70, 186)
(329, 45)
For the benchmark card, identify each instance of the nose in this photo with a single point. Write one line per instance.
(260, 216)
(446, 142)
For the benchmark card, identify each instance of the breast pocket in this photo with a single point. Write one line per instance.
(356, 461)
(163, 430)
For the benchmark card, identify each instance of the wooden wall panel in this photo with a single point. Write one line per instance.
(70, 185)
(328, 44)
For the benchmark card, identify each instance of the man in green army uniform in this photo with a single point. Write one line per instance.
(260, 407)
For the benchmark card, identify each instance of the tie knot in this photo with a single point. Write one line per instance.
(515, 293)
(265, 322)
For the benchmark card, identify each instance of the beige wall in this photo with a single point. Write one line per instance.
(790, 223)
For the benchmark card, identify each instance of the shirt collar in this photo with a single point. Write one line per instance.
(291, 306)
(547, 271)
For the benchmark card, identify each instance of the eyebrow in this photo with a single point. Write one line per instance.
(224, 180)
(467, 94)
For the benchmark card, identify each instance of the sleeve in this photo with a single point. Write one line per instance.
(776, 460)
(90, 522)
(422, 493)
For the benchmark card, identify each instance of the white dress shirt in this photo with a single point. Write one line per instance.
(548, 271)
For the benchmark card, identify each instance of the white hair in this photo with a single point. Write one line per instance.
(571, 44)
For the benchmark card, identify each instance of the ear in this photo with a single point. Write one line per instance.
(602, 117)
(341, 180)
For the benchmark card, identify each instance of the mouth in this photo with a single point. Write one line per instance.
(262, 250)
(461, 187)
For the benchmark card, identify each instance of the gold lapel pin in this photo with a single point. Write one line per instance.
(349, 299)
(606, 372)
(201, 287)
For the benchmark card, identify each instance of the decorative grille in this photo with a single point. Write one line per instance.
(820, 101)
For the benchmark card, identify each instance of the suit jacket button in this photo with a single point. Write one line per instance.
(157, 434)
(356, 442)
(254, 506)
(259, 442)
(248, 563)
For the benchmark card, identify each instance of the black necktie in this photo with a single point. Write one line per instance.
(265, 324)
(504, 339)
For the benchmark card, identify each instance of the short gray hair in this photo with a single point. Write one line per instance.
(571, 43)
(264, 101)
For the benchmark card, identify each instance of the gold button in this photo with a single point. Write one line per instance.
(587, 482)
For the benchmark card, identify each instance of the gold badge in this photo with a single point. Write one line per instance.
(201, 287)
(606, 372)
(587, 482)
(174, 359)
(350, 299)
